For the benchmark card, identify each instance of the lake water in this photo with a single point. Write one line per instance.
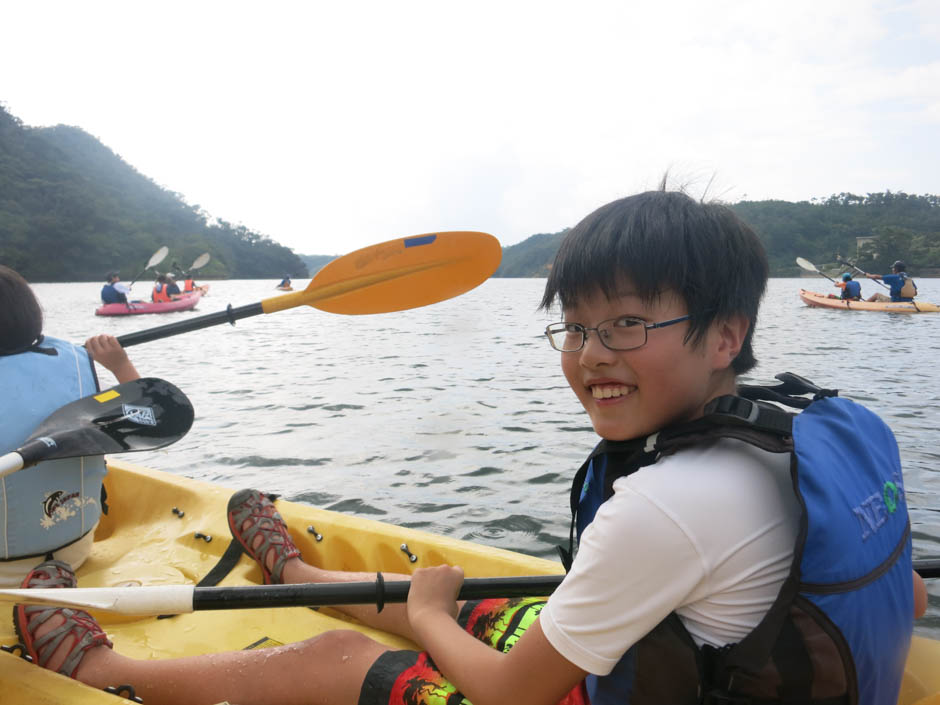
(456, 418)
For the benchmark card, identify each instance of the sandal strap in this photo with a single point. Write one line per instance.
(252, 505)
(50, 574)
(82, 626)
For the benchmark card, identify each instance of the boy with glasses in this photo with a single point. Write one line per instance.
(684, 588)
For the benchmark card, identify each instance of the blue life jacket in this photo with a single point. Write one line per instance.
(54, 503)
(840, 628)
(110, 295)
(852, 290)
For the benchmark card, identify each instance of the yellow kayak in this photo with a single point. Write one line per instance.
(815, 300)
(154, 534)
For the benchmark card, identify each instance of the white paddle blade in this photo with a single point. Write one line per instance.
(158, 257)
(201, 261)
(151, 600)
(806, 264)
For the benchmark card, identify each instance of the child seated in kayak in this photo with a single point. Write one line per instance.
(679, 559)
(53, 507)
(851, 289)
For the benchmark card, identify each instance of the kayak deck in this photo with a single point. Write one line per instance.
(186, 303)
(816, 300)
(143, 541)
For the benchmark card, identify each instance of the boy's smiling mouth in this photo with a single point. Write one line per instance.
(609, 390)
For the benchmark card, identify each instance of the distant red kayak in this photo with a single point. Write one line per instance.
(135, 308)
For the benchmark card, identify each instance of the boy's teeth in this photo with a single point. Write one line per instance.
(609, 390)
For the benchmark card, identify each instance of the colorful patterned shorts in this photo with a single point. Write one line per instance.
(411, 678)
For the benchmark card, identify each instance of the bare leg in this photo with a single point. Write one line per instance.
(326, 669)
(329, 668)
(269, 526)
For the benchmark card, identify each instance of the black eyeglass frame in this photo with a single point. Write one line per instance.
(584, 331)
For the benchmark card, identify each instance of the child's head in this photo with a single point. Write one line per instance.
(659, 295)
(666, 242)
(20, 313)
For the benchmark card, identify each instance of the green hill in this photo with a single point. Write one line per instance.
(902, 226)
(70, 210)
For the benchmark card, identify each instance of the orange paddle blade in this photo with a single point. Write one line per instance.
(399, 274)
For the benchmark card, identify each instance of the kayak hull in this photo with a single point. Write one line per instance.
(187, 303)
(816, 300)
(143, 541)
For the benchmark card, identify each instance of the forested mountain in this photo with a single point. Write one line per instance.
(902, 226)
(316, 262)
(70, 210)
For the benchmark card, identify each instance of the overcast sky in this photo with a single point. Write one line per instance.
(332, 126)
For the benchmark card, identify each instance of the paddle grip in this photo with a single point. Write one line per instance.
(10, 463)
(230, 315)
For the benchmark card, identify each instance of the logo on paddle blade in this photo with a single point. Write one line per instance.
(142, 415)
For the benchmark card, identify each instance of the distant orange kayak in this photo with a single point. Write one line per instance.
(811, 298)
(284, 288)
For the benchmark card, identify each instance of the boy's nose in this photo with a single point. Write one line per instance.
(594, 352)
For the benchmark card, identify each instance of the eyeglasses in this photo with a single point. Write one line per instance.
(623, 333)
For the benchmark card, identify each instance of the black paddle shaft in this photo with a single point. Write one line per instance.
(230, 315)
(378, 592)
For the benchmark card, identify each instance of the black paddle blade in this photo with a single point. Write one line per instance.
(145, 414)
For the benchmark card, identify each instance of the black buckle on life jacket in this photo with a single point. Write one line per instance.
(739, 408)
(743, 412)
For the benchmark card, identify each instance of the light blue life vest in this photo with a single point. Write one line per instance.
(55, 503)
(840, 628)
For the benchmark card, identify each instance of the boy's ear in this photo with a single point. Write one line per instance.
(730, 334)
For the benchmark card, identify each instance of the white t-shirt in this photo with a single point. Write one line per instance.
(708, 533)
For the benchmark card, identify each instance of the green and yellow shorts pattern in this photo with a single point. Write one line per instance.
(411, 678)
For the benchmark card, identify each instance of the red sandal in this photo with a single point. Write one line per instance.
(81, 625)
(253, 506)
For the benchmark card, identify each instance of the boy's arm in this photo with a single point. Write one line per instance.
(107, 351)
(532, 673)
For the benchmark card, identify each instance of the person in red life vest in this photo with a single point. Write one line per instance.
(165, 289)
(160, 295)
(172, 288)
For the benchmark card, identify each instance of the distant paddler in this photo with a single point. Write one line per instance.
(902, 286)
(114, 291)
(851, 289)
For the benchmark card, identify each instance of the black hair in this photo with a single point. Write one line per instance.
(20, 313)
(666, 241)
